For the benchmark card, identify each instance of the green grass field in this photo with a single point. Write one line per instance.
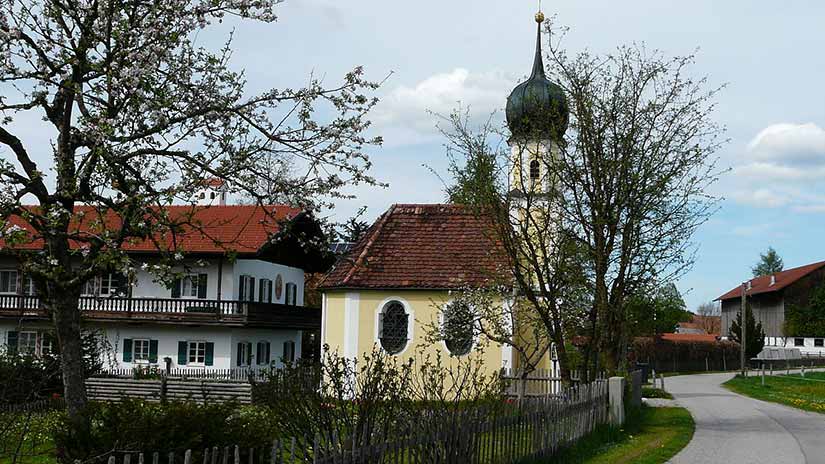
(650, 436)
(791, 390)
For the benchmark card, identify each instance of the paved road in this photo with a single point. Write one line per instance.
(733, 429)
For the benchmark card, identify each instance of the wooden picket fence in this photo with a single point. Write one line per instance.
(537, 383)
(534, 428)
(33, 407)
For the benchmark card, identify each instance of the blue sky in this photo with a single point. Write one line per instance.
(440, 52)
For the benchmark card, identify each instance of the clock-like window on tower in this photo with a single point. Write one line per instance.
(534, 170)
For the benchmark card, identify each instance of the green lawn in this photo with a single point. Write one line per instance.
(650, 436)
(791, 390)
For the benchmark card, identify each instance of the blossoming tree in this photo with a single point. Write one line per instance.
(138, 115)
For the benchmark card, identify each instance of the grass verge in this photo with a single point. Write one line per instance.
(652, 392)
(650, 436)
(791, 390)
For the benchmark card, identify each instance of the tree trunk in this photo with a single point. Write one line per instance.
(65, 312)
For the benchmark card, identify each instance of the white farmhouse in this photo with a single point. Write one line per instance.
(237, 302)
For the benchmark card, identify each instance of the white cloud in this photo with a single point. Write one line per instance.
(793, 144)
(783, 166)
(407, 112)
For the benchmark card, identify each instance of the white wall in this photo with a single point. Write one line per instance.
(789, 342)
(266, 270)
(224, 338)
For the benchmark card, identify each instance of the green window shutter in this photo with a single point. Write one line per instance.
(239, 355)
(176, 288)
(153, 351)
(259, 356)
(11, 342)
(251, 289)
(127, 350)
(182, 355)
(267, 353)
(210, 354)
(249, 354)
(242, 288)
(202, 285)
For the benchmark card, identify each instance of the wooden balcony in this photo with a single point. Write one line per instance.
(174, 311)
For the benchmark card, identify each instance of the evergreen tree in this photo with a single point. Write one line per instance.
(755, 334)
(769, 263)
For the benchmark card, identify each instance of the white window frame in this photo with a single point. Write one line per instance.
(28, 334)
(46, 345)
(106, 282)
(137, 355)
(410, 324)
(190, 280)
(197, 345)
(28, 287)
(243, 346)
(821, 343)
(266, 285)
(12, 290)
(798, 339)
(294, 300)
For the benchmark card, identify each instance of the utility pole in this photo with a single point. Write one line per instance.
(743, 329)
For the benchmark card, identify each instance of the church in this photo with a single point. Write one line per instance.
(405, 275)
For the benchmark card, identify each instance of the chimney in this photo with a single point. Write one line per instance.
(773, 279)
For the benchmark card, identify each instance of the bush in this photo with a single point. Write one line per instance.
(135, 425)
(24, 378)
(670, 356)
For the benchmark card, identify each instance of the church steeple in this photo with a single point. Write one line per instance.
(537, 108)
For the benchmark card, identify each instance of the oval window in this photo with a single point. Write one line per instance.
(458, 328)
(393, 327)
(279, 287)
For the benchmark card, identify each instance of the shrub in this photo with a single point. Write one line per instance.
(135, 425)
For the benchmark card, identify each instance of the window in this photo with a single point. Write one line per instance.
(8, 281)
(106, 285)
(798, 342)
(28, 286)
(534, 170)
(211, 195)
(244, 354)
(279, 287)
(141, 350)
(46, 344)
(27, 343)
(262, 353)
(289, 351)
(197, 353)
(818, 342)
(291, 294)
(393, 327)
(458, 328)
(189, 286)
(246, 288)
(203, 195)
(265, 291)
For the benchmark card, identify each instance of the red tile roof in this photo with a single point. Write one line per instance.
(204, 229)
(782, 279)
(675, 337)
(420, 247)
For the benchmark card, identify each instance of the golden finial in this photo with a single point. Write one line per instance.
(539, 17)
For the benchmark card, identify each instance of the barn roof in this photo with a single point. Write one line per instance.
(773, 282)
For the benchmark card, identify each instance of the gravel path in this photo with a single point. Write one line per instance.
(734, 429)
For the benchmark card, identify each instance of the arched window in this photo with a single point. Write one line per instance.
(458, 328)
(393, 330)
(534, 170)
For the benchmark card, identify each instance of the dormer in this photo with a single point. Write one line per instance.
(212, 193)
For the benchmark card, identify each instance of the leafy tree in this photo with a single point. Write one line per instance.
(806, 320)
(769, 263)
(656, 314)
(755, 334)
(138, 115)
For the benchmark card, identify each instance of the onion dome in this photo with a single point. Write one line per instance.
(537, 108)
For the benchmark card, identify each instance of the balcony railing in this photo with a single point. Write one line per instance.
(172, 308)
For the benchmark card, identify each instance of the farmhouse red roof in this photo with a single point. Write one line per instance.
(764, 284)
(676, 337)
(422, 246)
(205, 229)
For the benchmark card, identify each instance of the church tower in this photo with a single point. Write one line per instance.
(537, 115)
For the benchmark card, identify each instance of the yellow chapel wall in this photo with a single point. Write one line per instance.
(350, 318)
